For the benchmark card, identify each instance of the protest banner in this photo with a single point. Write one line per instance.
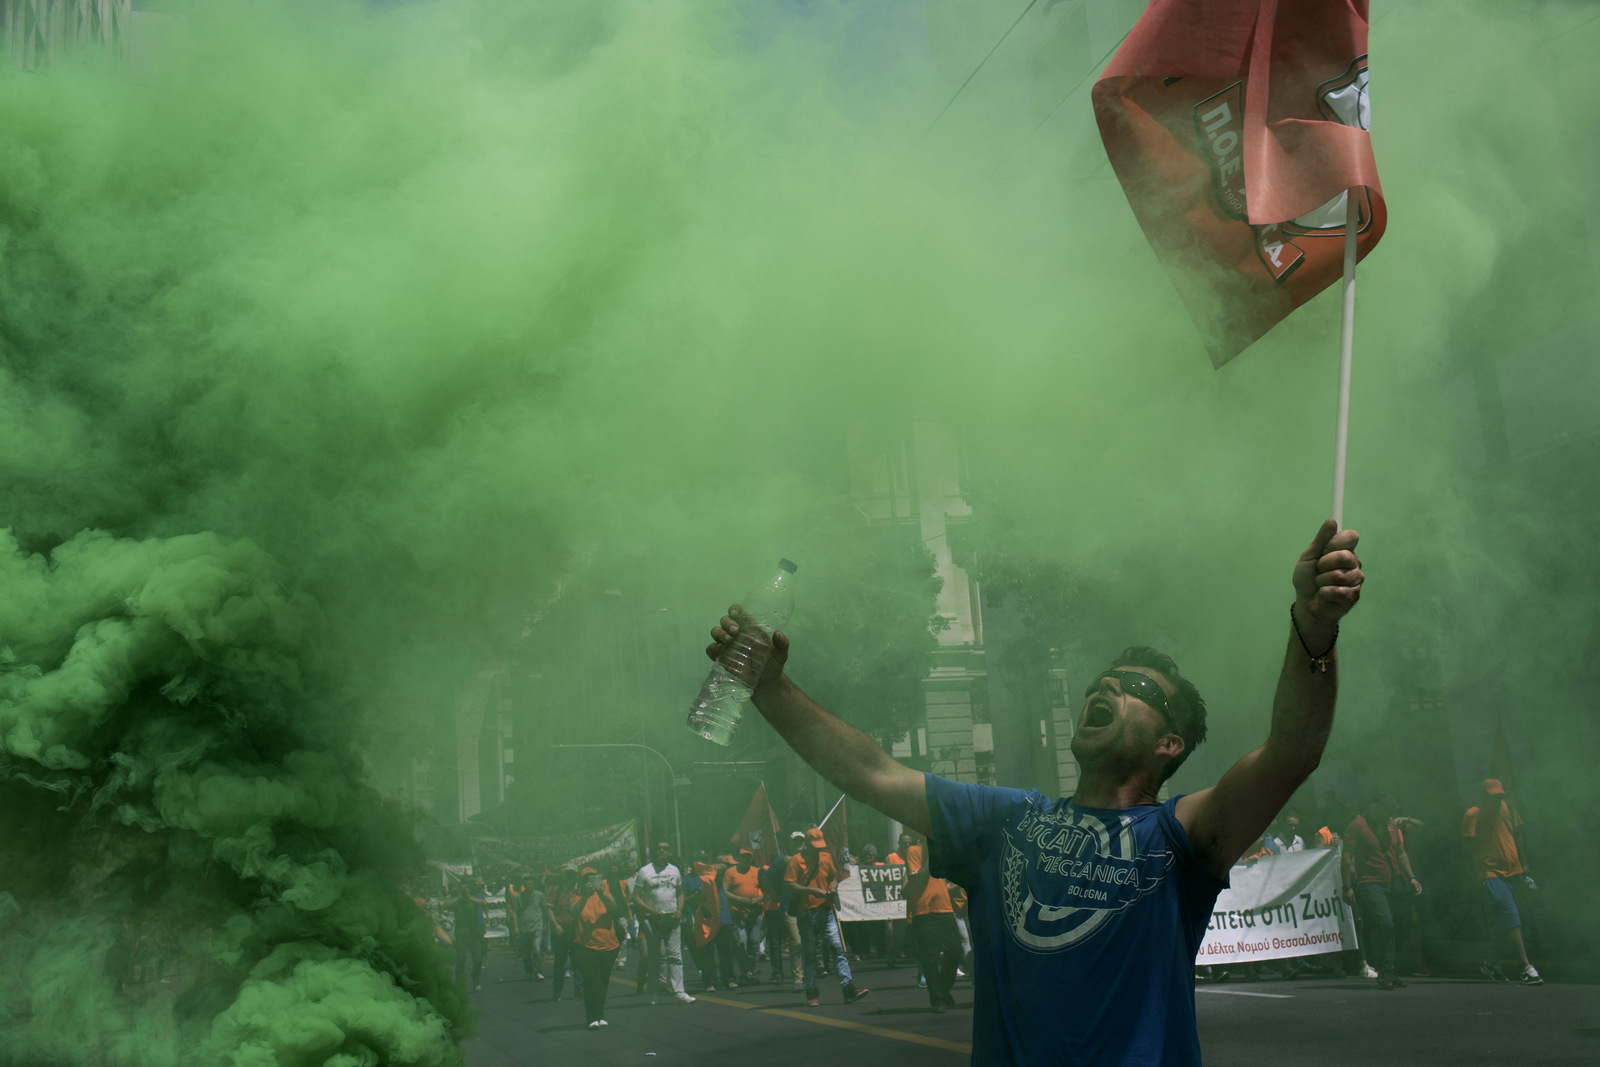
(1279, 906)
(524, 857)
(873, 893)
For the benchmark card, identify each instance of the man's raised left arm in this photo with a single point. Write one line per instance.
(1223, 821)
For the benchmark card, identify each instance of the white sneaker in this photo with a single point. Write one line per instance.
(595, 1025)
(1367, 971)
(604, 1023)
(684, 998)
(1531, 976)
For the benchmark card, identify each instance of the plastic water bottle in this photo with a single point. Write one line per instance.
(721, 703)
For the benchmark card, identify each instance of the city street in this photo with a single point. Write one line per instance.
(1313, 1022)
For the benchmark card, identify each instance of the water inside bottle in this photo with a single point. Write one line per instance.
(716, 714)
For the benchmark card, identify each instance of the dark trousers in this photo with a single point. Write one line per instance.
(562, 950)
(1408, 926)
(1377, 923)
(939, 950)
(595, 966)
(469, 947)
(897, 940)
(863, 939)
(715, 955)
(777, 924)
(725, 944)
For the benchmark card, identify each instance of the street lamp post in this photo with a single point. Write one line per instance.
(672, 784)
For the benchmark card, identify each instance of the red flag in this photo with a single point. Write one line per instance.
(1235, 127)
(758, 830)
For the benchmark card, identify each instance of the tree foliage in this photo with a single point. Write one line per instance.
(870, 622)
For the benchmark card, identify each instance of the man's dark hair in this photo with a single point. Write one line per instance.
(1187, 705)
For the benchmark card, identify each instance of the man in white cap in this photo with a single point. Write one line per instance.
(812, 876)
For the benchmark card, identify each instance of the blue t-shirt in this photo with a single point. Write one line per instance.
(772, 884)
(1085, 925)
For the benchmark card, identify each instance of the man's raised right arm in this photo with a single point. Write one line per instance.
(852, 761)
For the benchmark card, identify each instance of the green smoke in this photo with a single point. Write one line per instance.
(362, 332)
(167, 782)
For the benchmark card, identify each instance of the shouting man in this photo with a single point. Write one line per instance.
(1087, 912)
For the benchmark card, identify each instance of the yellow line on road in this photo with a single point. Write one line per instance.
(843, 1024)
(864, 1028)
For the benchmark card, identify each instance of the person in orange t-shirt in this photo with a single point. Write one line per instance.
(594, 941)
(1492, 826)
(741, 884)
(706, 920)
(812, 877)
(933, 929)
(563, 928)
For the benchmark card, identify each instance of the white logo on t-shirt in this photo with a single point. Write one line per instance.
(1065, 872)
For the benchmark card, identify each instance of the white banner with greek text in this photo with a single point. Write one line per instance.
(873, 893)
(1280, 906)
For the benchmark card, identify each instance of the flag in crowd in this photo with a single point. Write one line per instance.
(758, 830)
(1235, 128)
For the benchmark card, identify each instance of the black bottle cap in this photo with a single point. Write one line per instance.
(788, 566)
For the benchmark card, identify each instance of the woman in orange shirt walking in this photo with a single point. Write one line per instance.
(594, 942)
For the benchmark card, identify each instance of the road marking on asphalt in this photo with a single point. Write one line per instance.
(843, 1024)
(865, 1028)
(1242, 993)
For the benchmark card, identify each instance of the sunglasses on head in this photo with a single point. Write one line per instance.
(1139, 686)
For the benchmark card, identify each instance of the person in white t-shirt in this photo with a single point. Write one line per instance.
(658, 902)
(1285, 835)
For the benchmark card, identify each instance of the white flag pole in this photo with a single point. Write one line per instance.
(1347, 325)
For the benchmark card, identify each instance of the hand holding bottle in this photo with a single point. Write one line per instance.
(746, 646)
(725, 634)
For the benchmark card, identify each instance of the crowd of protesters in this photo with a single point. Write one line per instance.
(1383, 888)
(740, 922)
(746, 923)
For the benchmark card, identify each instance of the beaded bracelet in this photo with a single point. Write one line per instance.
(1318, 663)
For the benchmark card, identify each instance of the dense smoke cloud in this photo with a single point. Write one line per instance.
(357, 330)
(167, 782)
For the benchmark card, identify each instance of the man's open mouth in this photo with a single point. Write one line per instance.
(1100, 713)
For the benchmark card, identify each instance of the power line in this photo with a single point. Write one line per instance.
(1099, 65)
(979, 67)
